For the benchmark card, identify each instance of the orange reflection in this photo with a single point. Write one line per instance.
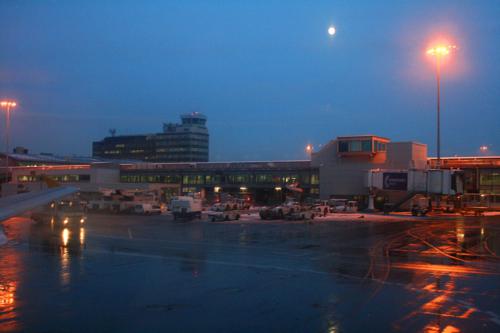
(435, 328)
(82, 236)
(8, 313)
(7, 292)
(440, 268)
(9, 268)
(65, 236)
(65, 274)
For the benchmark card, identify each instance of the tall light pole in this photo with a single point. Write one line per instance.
(7, 105)
(439, 52)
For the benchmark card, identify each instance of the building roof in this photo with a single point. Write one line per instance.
(56, 159)
(350, 137)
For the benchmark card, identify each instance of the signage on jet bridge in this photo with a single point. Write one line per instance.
(395, 181)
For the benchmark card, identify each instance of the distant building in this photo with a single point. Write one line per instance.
(184, 142)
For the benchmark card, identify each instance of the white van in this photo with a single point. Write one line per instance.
(147, 209)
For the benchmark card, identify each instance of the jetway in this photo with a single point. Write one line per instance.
(431, 181)
(409, 183)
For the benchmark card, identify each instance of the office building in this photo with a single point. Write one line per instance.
(184, 142)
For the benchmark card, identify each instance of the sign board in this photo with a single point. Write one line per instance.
(395, 181)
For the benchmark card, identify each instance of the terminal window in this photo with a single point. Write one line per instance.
(353, 146)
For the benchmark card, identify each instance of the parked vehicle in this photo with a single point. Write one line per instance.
(279, 212)
(321, 210)
(147, 209)
(184, 207)
(343, 205)
(223, 212)
(337, 205)
(301, 214)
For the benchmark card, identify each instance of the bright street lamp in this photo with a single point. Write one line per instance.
(439, 52)
(309, 149)
(7, 105)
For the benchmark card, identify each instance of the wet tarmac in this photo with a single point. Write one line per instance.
(150, 274)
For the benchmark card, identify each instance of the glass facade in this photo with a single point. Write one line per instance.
(257, 179)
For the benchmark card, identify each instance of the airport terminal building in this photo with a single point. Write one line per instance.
(363, 168)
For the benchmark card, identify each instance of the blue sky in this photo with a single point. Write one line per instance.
(266, 73)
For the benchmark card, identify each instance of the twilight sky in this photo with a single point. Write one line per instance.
(266, 73)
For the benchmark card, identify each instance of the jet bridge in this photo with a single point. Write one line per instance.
(433, 181)
(413, 182)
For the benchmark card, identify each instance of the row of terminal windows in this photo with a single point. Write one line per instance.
(181, 149)
(57, 178)
(183, 142)
(218, 179)
(353, 146)
(150, 179)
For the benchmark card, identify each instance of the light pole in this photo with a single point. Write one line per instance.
(439, 52)
(7, 105)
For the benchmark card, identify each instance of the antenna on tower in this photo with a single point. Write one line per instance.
(112, 131)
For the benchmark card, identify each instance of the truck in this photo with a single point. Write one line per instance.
(184, 207)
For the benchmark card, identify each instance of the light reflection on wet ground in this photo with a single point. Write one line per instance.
(140, 274)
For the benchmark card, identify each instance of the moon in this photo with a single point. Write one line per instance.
(332, 30)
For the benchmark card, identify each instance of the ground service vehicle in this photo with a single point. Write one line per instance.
(184, 207)
(321, 210)
(420, 206)
(63, 213)
(223, 212)
(417, 210)
(343, 205)
(279, 212)
(302, 214)
(337, 205)
(147, 209)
